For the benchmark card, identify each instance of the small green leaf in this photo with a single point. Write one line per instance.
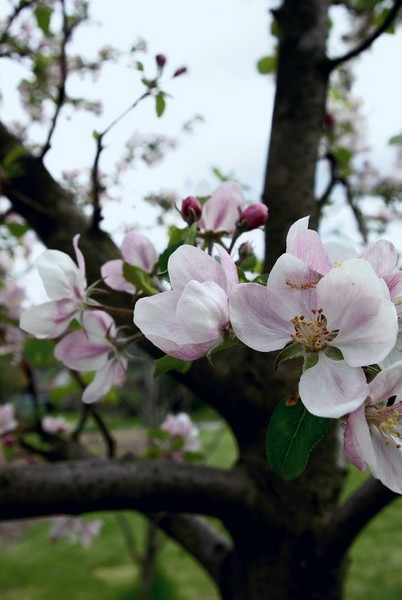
(267, 65)
(395, 140)
(343, 156)
(292, 434)
(139, 66)
(39, 352)
(169, 363)
(160, 103)
(139, 278)
(289, 352)
(17, 229)
(164, 257)
(43, 15)
(11, 161)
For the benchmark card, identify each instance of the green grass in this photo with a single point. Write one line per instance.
(31, 568)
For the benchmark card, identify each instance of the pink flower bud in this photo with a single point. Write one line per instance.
(160, 60)
(254, 216)
(191, 209)
(180, 71)
(8, 440)
(329, 121)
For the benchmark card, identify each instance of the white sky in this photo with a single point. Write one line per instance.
(220, 43)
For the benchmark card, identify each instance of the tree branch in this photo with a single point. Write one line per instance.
(389, 19)
(201, 539)
(349, 520)
(147, 486)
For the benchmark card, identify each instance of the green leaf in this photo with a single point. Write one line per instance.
(292, 434)
(11, 161)
(343, 156)
(164, 257)
(160, 103)
(289, 352)
(267, 65)
(395, 140)
(43, 15)
(17, 229)
(139, 278)
(169, 363)
(39, 352)
(139, 66)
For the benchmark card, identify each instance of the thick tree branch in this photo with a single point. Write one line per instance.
(199, 537)
(148, 486)
(349, 520)
(369, 41)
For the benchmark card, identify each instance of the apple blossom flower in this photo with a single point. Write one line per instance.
(221, 211)
(94, 349)
(307, 245)
(342, 321)
(189, 320)
(8, 421)
(76, 529)
(138, 251)
(55, 424)
(373, 432)
(65, 284)
(181, 426)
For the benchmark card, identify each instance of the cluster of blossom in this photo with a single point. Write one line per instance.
(177, 438)
(75, 529)
(99, 346)
(338, 311)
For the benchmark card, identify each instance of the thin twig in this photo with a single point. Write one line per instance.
(389, 19)
(61, 92)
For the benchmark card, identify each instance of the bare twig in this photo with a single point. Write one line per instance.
(365, 44)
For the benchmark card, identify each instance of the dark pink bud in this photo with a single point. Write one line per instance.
(191, 209)
(254, 216)
(160, 60)
(8, 440)
(329, 121)
(180, 71)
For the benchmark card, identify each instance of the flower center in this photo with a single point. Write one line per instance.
(388, 420)
(312, 333)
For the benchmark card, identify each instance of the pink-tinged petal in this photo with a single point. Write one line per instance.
(300, 226)
(386, 384)
(307, 246)
(221, 212)
(77, 352)
(229, 268)
(367, 331)
(203, 311)
(382, 256)
(112, 273)
(295, 284)
(59, 274)
(139, 251)
(156, 318)
(254, 320)
(111, 374)
(353, 279)
(358, 446)
(189, 263)
(97, 325)
(332, 388)
(81, 279)
(50, 319)
(388, 465)
(339, 251)
(394, 284)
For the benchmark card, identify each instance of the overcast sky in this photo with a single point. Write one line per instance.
(220, 43)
